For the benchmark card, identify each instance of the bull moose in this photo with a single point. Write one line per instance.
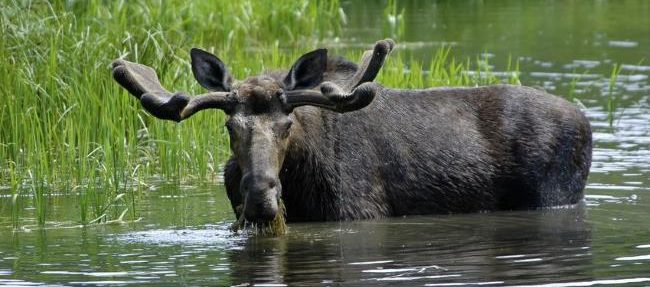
(334, 145)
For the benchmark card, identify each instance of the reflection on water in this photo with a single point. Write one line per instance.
(184, 237)
(470, 248)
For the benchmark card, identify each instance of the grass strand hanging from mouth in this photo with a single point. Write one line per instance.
(276, 227)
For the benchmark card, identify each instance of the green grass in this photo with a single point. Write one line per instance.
(394, 26)
(68, 128)
(611, 101)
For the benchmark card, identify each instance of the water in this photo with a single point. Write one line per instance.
(187, 240)
(183, 236)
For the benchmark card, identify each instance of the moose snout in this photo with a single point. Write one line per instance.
(261, 193)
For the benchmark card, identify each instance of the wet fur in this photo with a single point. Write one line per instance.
(444, 150)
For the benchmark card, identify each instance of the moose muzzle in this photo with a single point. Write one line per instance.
(261, 197)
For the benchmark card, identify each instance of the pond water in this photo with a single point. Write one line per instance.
(183, 237)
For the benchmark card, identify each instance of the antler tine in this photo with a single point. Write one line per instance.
(212, 100)
(142, 82)
(371, 63)
(136, 78)
(333, 97)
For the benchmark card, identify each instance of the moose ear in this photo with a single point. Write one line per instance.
(308, 71)
(209, 71)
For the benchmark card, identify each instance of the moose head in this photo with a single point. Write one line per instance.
(261, 122)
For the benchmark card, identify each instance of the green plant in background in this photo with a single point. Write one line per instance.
(394, 24)
(68, 127)
(14, 185)
(513, 71)
(78, 132)
(572, 87)
(443, 70)
(38, 189)
(611, 103)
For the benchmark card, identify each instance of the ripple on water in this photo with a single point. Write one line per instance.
(606, 282)
(623, 147)
(214, 236)
(588, 64)
(602, 186)
(633, 258)
(597, 199)
(109, 282)
(637, 68)
(370, 262)
(467, 283)
(411, 278)
(405, 273)
(623, 44)
(18, 282)
(558, 76)
(615, 160)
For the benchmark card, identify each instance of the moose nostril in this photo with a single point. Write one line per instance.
(272, 184)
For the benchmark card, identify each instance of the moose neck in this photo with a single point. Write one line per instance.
(310, 170)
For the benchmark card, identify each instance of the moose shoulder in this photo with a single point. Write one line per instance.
(333, 145)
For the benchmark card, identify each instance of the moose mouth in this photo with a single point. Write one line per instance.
(265, 218)
(261, 208)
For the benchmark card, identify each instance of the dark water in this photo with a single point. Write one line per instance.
(183, 237)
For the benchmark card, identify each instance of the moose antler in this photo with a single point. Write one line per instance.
(142, 82)
(334, 97)
(370, 64)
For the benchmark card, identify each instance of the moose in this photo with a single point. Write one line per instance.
(332, 144)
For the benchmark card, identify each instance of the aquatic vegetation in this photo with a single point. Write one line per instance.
(442, 70)
(276, 227)
(395, 26)
(68, 128)
(572, 87)
(70, 125)
(611, 102)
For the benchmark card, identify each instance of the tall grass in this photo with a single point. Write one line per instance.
(394, 25)
(68, 127)
(611, 102)
(443, 70)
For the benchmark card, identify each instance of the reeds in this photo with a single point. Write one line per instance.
(67, 127)
(611, 101)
